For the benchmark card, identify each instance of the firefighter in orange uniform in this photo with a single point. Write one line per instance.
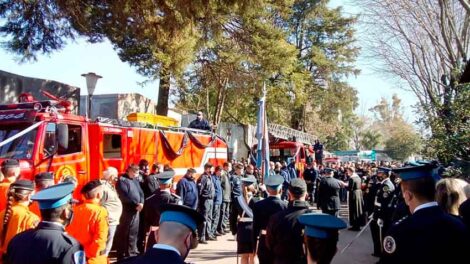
(10, 171)
(90, 224)
(42, 181)
(17, 218)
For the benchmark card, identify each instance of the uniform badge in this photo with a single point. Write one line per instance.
(79, 257)
(385, 195)
(389, 245)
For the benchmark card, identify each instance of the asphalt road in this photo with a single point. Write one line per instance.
(223, 251)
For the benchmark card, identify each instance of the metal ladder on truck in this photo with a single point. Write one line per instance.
(288, 133)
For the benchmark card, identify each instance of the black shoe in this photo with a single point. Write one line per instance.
(212, 239)
(203, 242)
(218, 233)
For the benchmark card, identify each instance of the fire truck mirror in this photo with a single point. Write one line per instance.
(63, 136)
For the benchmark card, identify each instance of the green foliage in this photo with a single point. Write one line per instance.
(402, 143)
(452, 143)
(218, 53)
(370, 139)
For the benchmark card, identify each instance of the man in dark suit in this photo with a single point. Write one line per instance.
(176, 236)
(328, 193)
(262, 211)
(429, 235)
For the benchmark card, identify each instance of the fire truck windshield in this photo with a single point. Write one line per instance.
(20, 148)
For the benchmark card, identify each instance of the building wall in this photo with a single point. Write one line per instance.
(12, 85)
(239, 138)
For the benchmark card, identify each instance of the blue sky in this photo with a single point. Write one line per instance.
(80, 57)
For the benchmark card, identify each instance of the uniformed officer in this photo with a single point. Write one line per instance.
(328, 193)
(429, 235)
(90, 226)
(154, 203)
(372, 183)
(284, 233)
(321, 236)
(262, 211)
(383, 209)
(48, 242)
(176, 236)
(17, 218)
(41, 182)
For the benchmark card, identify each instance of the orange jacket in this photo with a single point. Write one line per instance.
(90, 227)
(34, 207)
(4, 187)
(21, 219)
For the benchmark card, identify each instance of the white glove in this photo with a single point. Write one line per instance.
(380, 222)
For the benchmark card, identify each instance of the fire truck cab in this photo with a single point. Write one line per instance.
(45, 136)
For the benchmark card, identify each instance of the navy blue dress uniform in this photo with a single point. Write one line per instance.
(429, 235)
(328, 194)
(372, 186)
(262, 211)
(48, 243)
(383, 210)
(321, 232)
(166, 254)
(154, 203)
(284, 232)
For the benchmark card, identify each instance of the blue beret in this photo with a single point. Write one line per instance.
(248, 180)
(181, 214)
(274, 181)
(165, 177)
(320, 225)
(54, 196)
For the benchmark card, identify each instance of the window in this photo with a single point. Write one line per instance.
(50, 140)
(75, 140)
(111, 146)
(20, 148)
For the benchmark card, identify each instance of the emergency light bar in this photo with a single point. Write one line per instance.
(37, 106)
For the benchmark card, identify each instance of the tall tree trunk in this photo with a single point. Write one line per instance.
(163, 92)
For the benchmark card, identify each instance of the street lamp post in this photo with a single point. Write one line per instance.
(91, 79)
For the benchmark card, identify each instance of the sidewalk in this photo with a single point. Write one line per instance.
(224, 250)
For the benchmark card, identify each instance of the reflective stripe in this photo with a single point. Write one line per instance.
(263, 232)
(378, 204)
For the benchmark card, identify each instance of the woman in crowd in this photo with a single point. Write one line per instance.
(450, 194)
(245, 246)
(17, 217)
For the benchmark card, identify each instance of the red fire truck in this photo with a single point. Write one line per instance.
(45, 136)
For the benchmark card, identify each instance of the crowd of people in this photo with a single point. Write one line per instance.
(273, 218)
